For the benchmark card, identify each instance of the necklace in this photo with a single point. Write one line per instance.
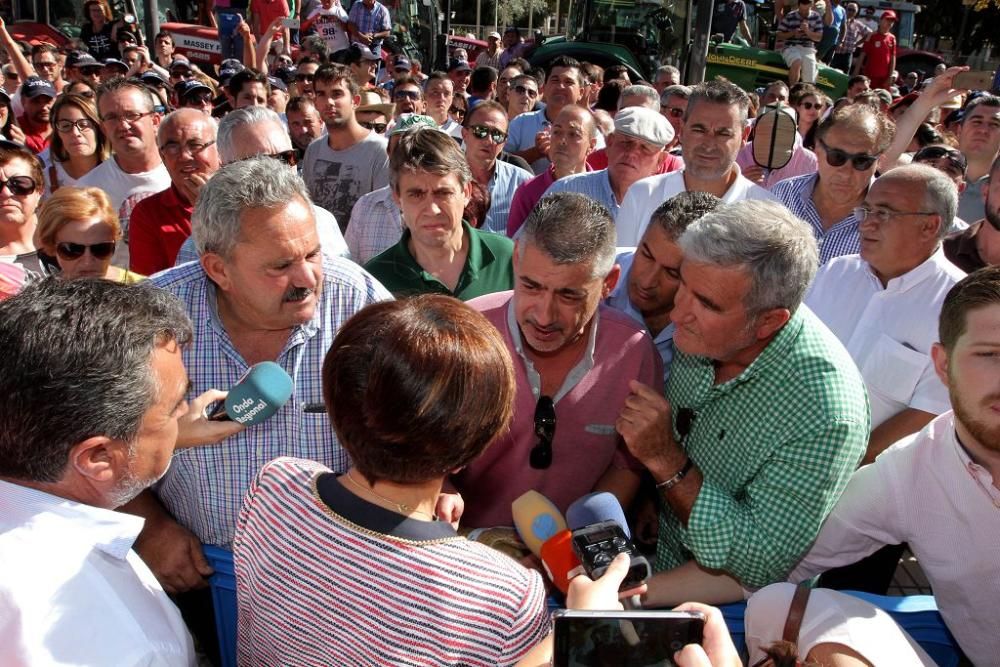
(402, 508)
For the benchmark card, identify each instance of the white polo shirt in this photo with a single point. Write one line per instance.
(646, 195)
(888, 331)
(73, 592)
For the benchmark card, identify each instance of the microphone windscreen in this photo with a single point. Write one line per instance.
(559, 559)
(595, 508)
(259, 394)
(536, 519)
(774, 137)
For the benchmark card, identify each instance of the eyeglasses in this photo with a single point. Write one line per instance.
(19, 185)
(456, 111)
(483, 131)
(378, 127)
(66, 126)
(954, 157)
(73, 251)
(182, 74)
(540, 457)
(304, 77)
(882, 215)
(809, 106)
(198, 98)
(173, 148)
(673, 112)
(408, 94)
(836, 158)
(130, 117)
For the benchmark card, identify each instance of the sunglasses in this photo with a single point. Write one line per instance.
(482, 131)
(12, 75)
(674, 112)
(809, 106)
(19, 185)
(836, 158)
(408, 94)
(456, 111)
(378, 127)
(545, 429)
(198, 98)
(304, 77)
(524, 90)
(71, 251)
(954, 157)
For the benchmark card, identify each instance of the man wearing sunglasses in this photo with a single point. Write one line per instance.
(522, 95)
(484, 135)
(848, 145)
(408, 97)
(194, 94)
(573, 360)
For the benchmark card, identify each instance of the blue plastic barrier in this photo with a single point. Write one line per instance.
(223, 584)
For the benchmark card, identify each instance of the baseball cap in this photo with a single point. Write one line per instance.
(644, 124)
(179, 62)
(408, 121)
(153, 78)
(888, 14)
(459, 66)
(371, 101)
(231, 63)
(34, 86)
(114, 62)
(286, 74)
(494, 35)
(226, 74)
(185, 88)
(126, 34)
(277, 83)
(359, 52)
(401, 63)
(81, 59)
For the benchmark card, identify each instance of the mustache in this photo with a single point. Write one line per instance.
(297, 294)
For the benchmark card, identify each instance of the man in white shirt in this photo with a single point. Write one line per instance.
(939, 490)
(130, 122)
(883, 304)
(715, 129)
(72, 590)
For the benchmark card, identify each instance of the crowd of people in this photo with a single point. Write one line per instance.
(481, 282)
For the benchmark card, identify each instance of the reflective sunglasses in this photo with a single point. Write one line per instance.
(66, 126)
(71, 251)
(836, 158)
(482, 131)
(19, 185)
(524, 90)
(378, 127)
(545, 430)
(408, 94)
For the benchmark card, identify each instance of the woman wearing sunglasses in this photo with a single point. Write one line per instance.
(78, 142)
(21, 188)
(8, 124)
(459, 107)
(808, 103)
(78, 227)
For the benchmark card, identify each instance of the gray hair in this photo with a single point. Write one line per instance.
(430, 150)
(649, 94)
(76, 364)
(177, 115)
(676, 214)
(719, 92)
(259, 182)
(777, 249)
(246, 116)
(668, 69)
(683, 92)
(940, 193)
(571, 228)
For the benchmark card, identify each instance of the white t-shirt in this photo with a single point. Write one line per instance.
(888, 331)
(119, 186)
(646, 195)
(327, 26)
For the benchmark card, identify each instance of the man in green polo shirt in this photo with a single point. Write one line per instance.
(765, 418)
(439, 252)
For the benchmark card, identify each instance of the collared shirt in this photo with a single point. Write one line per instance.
(926, 491)
(526, 196)
(598, 159)
(970, 202)
(961, 249)
(204, 486)
(503, 183)
(776, 446)
(73, 592)
(857, 32)
(791, 21)
(371, 20)
(619, 300)
(487, 268)
(585, 445)
(522, 131)
(888, 331)
(594, 184)
(646, 195)
(376, 225)
(843, 238)
(158, 227)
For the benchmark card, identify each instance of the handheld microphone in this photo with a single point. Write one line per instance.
(599, 533)
(261, 392)
(595, 508)
(536, 519)
(559, 559)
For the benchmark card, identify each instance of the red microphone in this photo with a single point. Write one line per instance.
(559, 560)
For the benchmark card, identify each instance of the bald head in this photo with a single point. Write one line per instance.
(579, 116)
(574, 135)
(181, 117)
(940, 195)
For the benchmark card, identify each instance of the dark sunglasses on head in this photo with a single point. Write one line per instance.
(71, 251)
(378, 127)
(837, 158)
(524, 90)
(483, 131)
(545, 430)
(19, 185)
(456, 111)
(954, 157)
(408, 94)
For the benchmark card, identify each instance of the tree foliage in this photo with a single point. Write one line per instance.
(944, 19)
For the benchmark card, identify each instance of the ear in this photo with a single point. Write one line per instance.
(932, 228)
(940, 358)
(610, 281)
(99, 459)
(467, 193)
(746, 134)
(218, 270)
(961, 187)
(770, 322)
(356, 101)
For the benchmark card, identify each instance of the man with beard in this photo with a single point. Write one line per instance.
(352, 161)
(715, 129)
(37, 96)
(979, 245)
(938, 490)
(651, 273)
(79, 436)
(262, 290)
(304, 123)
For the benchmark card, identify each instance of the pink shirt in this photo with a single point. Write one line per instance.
(525, 198)
(586, 444)
(803, 162)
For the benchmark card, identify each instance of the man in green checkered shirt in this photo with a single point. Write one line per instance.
(769, 413)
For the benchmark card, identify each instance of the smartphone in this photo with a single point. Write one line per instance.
(291, 24)
(641, 638)
(974, 80)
